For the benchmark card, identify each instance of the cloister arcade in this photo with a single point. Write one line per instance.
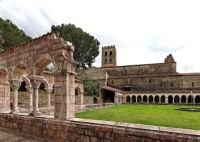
(163, 99)
(27, 62)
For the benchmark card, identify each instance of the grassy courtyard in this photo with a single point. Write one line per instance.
(159, 115)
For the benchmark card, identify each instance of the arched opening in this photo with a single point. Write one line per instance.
(133, 99)
(151, 99)
(176, 99)
(156, 99)
(145, 99)
(183, 99)
(197, 100)
(189, 99)
(44, 63)
(128, 99)
(77, 96)
(107, 96)
(95, 100)
(162, 99)
(139, 99)
(19, 73)
(170, 99)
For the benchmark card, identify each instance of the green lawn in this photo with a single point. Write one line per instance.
(159, 115)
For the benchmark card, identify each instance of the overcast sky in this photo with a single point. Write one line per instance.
(143, 31)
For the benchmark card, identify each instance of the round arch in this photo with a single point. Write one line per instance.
(41, 63)
(139, 99)
(170, 99)
(150, 99)
(162, 99)
(176, 99)
(133, 99)
(183, 99)
(197, 99)
(128, 99)
(144, 99)
(190, 99)
(156, 99)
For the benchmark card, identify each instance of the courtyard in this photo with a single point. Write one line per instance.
(159, 115)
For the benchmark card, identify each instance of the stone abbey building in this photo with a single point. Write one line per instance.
(145, 83)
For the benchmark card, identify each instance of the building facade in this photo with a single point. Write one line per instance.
(145, 83)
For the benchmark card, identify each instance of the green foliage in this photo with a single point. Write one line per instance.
(10, 34)
(86, 46)
(159, 115)
(88, 87)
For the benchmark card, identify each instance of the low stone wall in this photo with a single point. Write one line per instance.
(82, 130)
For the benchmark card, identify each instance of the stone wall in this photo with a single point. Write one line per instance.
(81, 130)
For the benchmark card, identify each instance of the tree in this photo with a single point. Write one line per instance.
(10, 34)
(86, 46)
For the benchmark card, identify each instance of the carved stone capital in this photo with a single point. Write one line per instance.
(15, 84)
(35, 81)
(48, 90)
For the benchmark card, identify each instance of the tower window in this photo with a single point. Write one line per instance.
(110, 53)
(106, 53)
(150, 80)
(110, 60)
(106, 60)
(171, 84)
(192, 84)
(112, 82)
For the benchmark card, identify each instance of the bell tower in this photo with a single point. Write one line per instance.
(109, 56)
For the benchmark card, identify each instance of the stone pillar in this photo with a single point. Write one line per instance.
(82, 101)
(131, 101)
(141, 99)
(166, 99)
(159, 99)
(35, 82)
(48, 94)
(186, 99)
(179, 100)
(64, 99)
(172, 99)
(153, 100)
(30, 99)
(136, 99)
(193, 97)
(15, 84)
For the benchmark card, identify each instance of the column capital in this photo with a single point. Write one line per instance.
(49, 90)
(15, 84)
(35, 81)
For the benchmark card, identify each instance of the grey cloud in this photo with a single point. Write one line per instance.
(187, 68)
(156, 46)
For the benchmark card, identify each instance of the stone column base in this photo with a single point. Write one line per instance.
(14, 112)
(35, 114)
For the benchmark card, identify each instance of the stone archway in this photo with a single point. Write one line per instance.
(128, 99)
(163, 99)
(35, 55)
(133, 99)
(170, 99)
(156, 99)
(183, 99)
(189, 99)
(176, 99)
(139, 99)
(197, 99)
(151, 99)
(144, 99)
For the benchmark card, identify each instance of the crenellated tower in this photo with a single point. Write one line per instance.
(109, 56)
